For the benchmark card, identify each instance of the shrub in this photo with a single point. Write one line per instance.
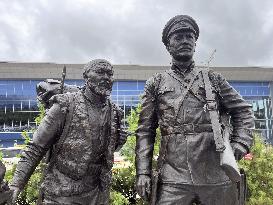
(259, 172)
(124, 179)
(117, 198)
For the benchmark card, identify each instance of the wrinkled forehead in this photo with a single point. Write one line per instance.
(98, 67)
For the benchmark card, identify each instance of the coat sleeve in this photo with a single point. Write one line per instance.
(146, 131)
(45, 136)
(241, 114)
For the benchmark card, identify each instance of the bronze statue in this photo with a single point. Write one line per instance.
(177, 101)
(5, 193)
(83, 129)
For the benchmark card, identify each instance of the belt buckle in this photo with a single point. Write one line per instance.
(190, 130)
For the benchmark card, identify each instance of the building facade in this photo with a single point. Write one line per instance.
(18, 104)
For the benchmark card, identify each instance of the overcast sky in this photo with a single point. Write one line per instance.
(129, 31)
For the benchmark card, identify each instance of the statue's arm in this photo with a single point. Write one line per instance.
(242, 118)
(43, 138)
(146, 131)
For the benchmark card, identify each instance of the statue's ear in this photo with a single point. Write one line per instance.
(84, 76)
(168, 47)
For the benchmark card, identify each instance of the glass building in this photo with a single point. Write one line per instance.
(18, 104)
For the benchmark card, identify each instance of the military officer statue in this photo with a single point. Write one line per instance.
(175, 100)
(83, 129)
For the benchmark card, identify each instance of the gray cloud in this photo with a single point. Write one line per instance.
(129, 31)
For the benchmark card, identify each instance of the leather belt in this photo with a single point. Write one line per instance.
(189, 128)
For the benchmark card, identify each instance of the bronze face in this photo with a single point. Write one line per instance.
(181, 45)
(100, 80)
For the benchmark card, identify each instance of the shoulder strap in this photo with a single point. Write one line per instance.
(214, 114)
(195, 71)
(69, 116)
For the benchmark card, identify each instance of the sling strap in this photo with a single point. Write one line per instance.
(186, 89)
(214, 114)
(68, 119)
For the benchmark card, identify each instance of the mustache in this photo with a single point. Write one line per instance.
(185, 46)
(105, 83)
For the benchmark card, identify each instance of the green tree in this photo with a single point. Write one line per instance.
(124, 179)
(128, 150)
(259, 172)
(117, 198)
(1, 155)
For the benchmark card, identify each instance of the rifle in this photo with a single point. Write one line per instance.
(48, 155)
(63, 78)
(49, 152)
(221, 134)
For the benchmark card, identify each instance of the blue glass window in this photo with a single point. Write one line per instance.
(18, 104)
(252, 88)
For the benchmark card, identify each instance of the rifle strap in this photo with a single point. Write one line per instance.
(213, 112)
(68, 119)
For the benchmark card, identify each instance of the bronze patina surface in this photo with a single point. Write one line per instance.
(83, 129)
(189, 168)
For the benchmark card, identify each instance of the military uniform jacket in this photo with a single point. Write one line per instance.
(191, 156)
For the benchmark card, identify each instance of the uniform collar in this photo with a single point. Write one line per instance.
(181, 68)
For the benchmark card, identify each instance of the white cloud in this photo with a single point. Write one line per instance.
(129, 31)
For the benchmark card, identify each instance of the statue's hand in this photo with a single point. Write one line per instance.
(239, 150)
(15, 193)
(144, 186)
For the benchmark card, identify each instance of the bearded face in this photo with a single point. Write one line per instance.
(100, 80)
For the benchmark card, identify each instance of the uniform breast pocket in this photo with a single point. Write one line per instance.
(163, 91)
(166, 97)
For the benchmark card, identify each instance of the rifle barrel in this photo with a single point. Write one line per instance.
(63, 78)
